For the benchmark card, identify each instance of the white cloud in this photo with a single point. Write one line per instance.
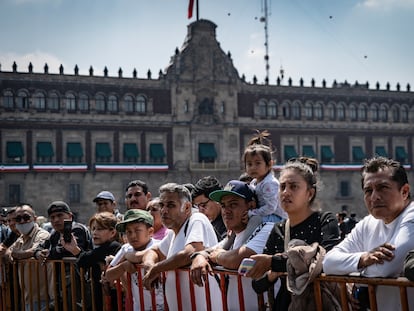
(387, 4)
(38, 60)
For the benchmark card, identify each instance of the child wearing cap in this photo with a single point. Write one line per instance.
(138, 228)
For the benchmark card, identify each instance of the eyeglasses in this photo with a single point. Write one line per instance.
(202, 204)
(25, 217)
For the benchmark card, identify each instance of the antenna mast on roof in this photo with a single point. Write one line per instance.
(264, 19)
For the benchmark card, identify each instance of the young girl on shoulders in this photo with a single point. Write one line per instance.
(258, 164)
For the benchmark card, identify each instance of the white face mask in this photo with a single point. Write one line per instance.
(25, 228)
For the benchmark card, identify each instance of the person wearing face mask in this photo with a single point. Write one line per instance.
(23, 248)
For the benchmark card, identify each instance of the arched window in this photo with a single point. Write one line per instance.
(395, 113)
(100, 103)
(362, 112)
(296, 110)
(128, 103)
(83, 102)
(374, 112)
(286, 109)
(352, 112)
(404, 114)
(308, 110)
(39, 101)
(317, 111)
(53, 101)
(70, 102)
(331, 111)
(262, 108)
(112, 103)
(272, 109)
(340, 112)
(141, 104)
(22, 101)
(383, 115)
(8, 100)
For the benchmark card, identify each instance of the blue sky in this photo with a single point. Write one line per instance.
(353, 40)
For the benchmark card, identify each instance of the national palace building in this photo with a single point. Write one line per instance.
(66, 136)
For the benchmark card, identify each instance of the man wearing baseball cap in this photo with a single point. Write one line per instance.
(58, 212)
(105, 202)
(236, 198)
(56, 248)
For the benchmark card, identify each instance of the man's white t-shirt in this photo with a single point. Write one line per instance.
(127, 248)
(368, 234)
(256, 242)
(195, 229)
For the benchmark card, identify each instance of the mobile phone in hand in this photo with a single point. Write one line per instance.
(67, 230)
(246, 265)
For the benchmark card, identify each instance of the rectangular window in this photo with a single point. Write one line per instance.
(358, 154)
(130, 153)
(307, 151)
(44, 151)
(74, 193)
(207, 153)
(14, 194)
(14, 152)
(157, 153)
(400, 154)
(103, 152)
(74, 152)
(344, 190)
(290, 152)
(326, 154)
(380, 151)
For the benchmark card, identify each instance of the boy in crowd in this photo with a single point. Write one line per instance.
(138, 227)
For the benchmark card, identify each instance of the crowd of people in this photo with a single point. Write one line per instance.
(275, 222)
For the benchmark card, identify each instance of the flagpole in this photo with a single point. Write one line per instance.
(197, 9)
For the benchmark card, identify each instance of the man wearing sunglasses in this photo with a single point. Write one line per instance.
(23, 248)
(210, 208)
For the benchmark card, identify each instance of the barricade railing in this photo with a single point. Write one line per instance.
(53, 285)
(345, 282)
(222, 274)
(60, 285)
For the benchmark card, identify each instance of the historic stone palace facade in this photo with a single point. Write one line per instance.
(68, 136)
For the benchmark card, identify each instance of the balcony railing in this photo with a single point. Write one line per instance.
(203, 166)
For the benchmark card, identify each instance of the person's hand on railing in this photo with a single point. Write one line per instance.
(151, 277)
(41, 255)
(262, 265)
(377, 255)
(199, 270)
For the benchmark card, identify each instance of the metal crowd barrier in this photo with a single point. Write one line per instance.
(68, 288)
(56, 285)
(344, 281)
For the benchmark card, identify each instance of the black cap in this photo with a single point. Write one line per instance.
(58, 206)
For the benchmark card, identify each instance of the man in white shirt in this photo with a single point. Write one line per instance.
(379, 243)
(236, 199)
(189, 233)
